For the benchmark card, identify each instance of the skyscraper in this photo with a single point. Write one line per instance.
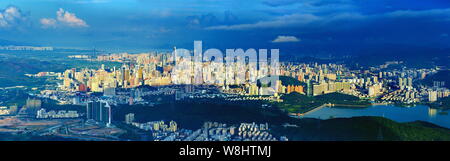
(129, 118)
(432, 96)
(309, 90)
(99, 111)
(409, 82)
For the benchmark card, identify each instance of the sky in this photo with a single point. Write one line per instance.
(285, 24)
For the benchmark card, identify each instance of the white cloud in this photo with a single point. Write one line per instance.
(63, 18)
(48, 22)
(292, 20)
(422, 13)
(10, 17)
(313, 19)
(282, 21)
(281, 39)
(435, 14)
(69, 19)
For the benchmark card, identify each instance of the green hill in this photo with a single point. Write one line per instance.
(296, 102)
(192, 114)
(363, 129)
(340, 98)
(12, 71)
(285, 81)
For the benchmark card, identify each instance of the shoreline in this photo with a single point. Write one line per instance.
(344, 105)
(325, 105)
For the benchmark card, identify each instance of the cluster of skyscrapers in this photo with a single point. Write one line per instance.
(100, 112)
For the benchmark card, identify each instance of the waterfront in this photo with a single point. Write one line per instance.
(399, 114)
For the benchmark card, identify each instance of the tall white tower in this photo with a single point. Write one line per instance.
(109, 124)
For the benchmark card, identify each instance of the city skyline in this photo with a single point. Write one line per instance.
(224, 70)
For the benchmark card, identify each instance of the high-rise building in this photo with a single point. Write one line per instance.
(31, 107)
(320, 89)
(253, 90)
(129, 118)
(432, 96)
(309, 88)
(409, 82)
(173, 126)
(99, 111)
(34, 103)
(400, 83)
(374, 90)
(404, 83)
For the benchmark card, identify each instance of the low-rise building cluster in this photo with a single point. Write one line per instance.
(52, 114)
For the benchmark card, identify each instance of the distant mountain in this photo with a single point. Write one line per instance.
(441, 76)
(12, 70)
(364, 54)
(412, 56)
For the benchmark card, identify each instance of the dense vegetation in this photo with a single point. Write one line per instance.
(12, 71)
(133, 133)
(16, 64)
(52, 105)
(341, 99)
(29, 137)
(285, 81)
(191, 115)
(296, 102)
(363, 128)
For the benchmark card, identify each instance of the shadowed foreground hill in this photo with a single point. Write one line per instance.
(192, 114)
(364, 128)
(27, 137)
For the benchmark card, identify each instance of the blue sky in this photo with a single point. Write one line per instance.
(147, 24)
